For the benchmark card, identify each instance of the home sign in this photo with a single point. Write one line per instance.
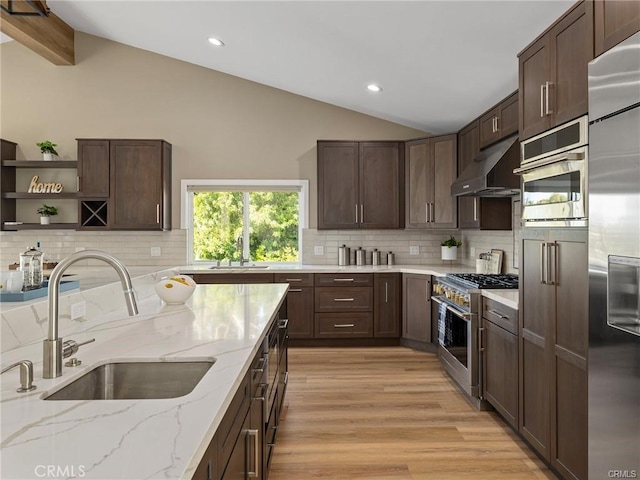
(43, 187)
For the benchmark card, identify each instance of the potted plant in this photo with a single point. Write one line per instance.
(48, 149)
(450, 248)
(46, 212)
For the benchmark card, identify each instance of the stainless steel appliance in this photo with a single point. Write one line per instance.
(614, 262)
(459, 299)
(554, 177)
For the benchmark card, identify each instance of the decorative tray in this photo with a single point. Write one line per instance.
(65, 285)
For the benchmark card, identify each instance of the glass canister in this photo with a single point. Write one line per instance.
(31, 265)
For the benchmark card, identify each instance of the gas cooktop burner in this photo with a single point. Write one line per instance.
(488, 281)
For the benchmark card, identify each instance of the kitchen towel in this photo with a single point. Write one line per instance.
(442, 314)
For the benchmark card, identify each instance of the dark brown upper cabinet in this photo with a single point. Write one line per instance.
(553, 72)
(124, 184)
(359, 185)
(431, 168)
(614, 21)
(500, 122)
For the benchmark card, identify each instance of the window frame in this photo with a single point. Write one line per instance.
(187, 186)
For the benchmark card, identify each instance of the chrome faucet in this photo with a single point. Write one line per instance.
(54, 348)
(240, 248)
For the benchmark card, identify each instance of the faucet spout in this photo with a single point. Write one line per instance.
(53, 345)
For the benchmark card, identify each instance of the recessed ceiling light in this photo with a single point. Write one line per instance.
(374, 88)
(216, 41)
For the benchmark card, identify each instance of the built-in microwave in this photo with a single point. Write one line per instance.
(554, 177)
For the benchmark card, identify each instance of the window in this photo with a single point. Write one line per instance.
(260, 221)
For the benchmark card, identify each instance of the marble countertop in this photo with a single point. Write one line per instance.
(135, 439)
(506, 297)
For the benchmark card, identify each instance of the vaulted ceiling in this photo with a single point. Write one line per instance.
(439, 63)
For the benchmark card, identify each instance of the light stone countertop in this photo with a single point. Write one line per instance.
(136, 439)
(506, 297)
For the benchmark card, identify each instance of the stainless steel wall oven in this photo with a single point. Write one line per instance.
(554, 177)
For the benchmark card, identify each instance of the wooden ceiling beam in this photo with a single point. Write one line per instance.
(48, 35)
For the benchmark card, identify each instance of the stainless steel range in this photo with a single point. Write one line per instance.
(459, 299)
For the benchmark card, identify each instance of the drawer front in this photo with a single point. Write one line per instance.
(343, 299)
(216, 278)
(344, 325)
(344, 279)
(500, 314)
(231, 423)
(295, 279)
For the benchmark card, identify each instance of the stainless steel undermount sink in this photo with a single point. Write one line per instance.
(238, 267)
(135, 380)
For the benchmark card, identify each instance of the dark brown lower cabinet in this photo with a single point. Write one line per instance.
(237, 467)
(299, 303)
(500, 359)
(387, 297)
(416, 314)
(553, 347)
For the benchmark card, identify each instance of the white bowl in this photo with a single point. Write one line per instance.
(175, 290)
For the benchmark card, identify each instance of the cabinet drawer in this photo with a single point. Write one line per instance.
(343, 299)
(295, 279)
(231, 424)
(500, 314)
(343, 325)
(215, 278)
(344, 279)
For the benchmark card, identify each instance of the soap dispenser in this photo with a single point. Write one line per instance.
(31, 265)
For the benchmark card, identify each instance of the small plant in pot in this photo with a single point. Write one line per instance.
(48, 149)
(450, 248)
(46, 212)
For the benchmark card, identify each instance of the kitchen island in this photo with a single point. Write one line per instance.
(134, 439)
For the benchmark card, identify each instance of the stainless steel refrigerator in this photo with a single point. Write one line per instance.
(614, 262)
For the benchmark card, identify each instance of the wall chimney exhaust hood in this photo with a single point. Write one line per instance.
(490, 174)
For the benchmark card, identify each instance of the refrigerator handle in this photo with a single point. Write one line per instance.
(543, 252)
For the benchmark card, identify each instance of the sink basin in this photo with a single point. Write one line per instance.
(135, 380)
(238, 267)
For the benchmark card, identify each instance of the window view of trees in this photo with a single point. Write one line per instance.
(218, 221)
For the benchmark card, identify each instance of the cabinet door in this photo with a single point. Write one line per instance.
(614, 21)
(239, 461)
(468, 148)
(489, 131)
(338, 202)
(444, 210)
(380, 174)
(93, 168)
(571, 42)
(387, 305)
(533, 74)
(500, 370)
(136, 185)
(508, 116)
(208, 466)
(419, 172)
(300, 312)
(537, 310)
(569, 376)
(416, 314)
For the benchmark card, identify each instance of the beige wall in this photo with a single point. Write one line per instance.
(220, 126)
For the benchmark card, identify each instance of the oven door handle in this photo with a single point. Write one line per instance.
(459, 313)
(570, 156)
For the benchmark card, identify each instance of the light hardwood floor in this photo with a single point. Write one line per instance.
(389, 413)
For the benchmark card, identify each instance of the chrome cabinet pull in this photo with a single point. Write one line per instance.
(543, 250)
(157, 213)
(295, 290)
(293, 279)
(546, 100)
(498, 314)
(542, 101)
(343, 325)
(552, 267)
(426, 212)
(356, 213)
(480, 345)
(361, 213)
(386, 292)
(256, 459)
(343, 299)
(284, 323)
(343, 279)
(475, 208)
(433, 212)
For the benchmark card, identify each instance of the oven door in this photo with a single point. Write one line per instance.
(554, 190)
(458, 346)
